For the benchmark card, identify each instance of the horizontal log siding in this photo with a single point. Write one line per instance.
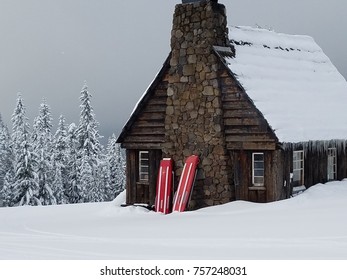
(148, 131)
(244, 127)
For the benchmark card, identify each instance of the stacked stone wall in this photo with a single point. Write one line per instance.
(194, 117)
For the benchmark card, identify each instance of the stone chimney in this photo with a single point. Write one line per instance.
(194, 118)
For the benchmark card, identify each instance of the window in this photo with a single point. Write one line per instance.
(143, 165)
(332, 164)
(298, 168)
(258, 169)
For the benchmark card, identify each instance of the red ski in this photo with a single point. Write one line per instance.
(164, 186)
(185, 186)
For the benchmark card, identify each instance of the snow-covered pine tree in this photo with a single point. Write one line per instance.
(6, 155)
(6, 162)
(89, 147)
(89, 182)
(60, 162)
(42, 143)
(103, 182)
(59, 191)
(73, 191)
(8, 188)
(19, 125)
(25, 186)
(116, 162)
(87, 130)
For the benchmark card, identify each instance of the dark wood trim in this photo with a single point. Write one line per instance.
(131, 176)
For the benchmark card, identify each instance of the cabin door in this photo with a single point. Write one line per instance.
(142, 170)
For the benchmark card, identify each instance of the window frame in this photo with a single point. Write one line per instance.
(254, 168)
(332, 164)
(143, 175)
(299, 167)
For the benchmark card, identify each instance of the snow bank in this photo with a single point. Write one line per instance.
(309, 226)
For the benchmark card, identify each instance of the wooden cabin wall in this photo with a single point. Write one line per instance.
(274, 176)
(315, 167)
(244, 126)
(287, 170)
(148, 132)
(141, 191)
(131, 176)
(155, 157)
(246, 132)
(341, 164)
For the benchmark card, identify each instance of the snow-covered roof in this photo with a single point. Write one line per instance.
(292, 82)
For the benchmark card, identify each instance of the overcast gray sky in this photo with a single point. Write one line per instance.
(48, 48)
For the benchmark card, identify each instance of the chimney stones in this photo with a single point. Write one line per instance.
(194, 118)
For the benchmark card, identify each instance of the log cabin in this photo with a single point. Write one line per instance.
(264, 111)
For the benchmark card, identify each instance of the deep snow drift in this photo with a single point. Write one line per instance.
(310, 226)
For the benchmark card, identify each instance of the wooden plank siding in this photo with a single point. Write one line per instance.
(315, 166)
(273, 188)
(341, 164)
(149, 129)
(131, 175)
(146, 127)
(141, 191)
(244, 126)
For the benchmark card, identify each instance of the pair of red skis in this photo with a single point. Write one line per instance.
(165, 185)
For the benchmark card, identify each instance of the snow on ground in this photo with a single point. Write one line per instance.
(309, 226)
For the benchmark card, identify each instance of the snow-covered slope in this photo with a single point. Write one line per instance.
(309, 226)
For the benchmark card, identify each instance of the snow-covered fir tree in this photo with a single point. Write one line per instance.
(42, 143)
(7, 191)
(89, 148)
(116, 162)
(59, 190)
(73, 190)
(25, 186)
(71, 167)
(89, 182)
(19, 124)
(61, 142)
(60, 162)
(87, 130)
(6, 165)
(6, 154)
(103, 175)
